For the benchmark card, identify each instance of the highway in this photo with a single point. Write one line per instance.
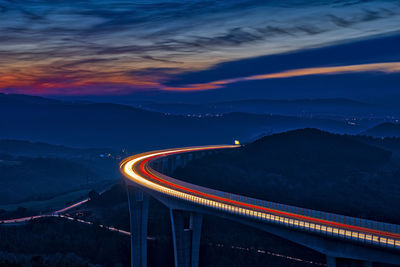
(59, 214)
(48, 214)
(54, 213)
(139, 171)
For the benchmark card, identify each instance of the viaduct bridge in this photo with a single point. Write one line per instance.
(334, 235)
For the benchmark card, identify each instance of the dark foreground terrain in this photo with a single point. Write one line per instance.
(307, 167)
(58, 242)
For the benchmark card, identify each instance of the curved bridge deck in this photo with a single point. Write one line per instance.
(146, 171)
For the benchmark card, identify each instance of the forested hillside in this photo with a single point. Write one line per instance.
(307, 168)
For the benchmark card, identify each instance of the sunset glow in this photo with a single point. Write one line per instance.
(107, 48)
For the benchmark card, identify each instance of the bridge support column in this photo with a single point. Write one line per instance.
(171, 164)
(165, 165)
(186, 240)
(330, 261)
(185, 160)
(138, 213)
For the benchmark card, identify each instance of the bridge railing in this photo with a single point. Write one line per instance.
(280, 209)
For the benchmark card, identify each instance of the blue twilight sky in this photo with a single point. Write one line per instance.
(243, 48)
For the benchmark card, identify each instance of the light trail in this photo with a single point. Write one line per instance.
(137, 169)
(110, 228)
(57, 212)
(72, 206)
(24, 219)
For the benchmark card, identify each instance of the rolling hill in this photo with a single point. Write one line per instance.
(339, 107)
(38, 171)
(384, 130)
(307, 168)
(120, 126)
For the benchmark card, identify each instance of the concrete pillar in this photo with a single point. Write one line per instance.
(183, 160)
(138, 213)
(171, 164)
(186, 240)
(178, 161)
(159, 166)
(196, 220)
(165, 165)
(330, 261)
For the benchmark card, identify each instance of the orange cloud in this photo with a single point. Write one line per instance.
(38, 82)
(121, 83)
(387, 67)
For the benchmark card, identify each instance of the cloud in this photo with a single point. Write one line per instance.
(81, 41)
(386, 67)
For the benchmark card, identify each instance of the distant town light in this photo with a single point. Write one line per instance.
(237, 142)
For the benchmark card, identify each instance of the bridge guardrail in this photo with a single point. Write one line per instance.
(321, 228)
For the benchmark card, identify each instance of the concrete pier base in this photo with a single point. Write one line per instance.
(186, 239)
(138, 212)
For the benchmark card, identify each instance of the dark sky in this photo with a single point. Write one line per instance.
(220, 49)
